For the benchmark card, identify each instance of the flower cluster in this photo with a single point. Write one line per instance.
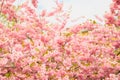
(113, 17)
(33, 48)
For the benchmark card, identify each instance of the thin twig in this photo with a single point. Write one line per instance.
(1, 6)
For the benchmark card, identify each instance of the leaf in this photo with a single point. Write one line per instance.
(32, 64)
(37, 49)
(51, 59)
(0, 49)
(117, 51)
(84, 32)
(23, 44)
(85, 63)
(118, 61)
(74, 67)
(67, 34)
(45, 53)
(8, 74)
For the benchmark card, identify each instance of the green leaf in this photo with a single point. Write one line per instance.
(37, 49)
(117, 51)
(0, 49)
(83, 32)
(94, 22)
(45, 53)
(8, 74)
(51, 59)
(118, 61)
(85, 63)
(67, 34)
(74, 66)
(32, 64)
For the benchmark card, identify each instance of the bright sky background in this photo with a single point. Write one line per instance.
(81, 7)
(87, 8)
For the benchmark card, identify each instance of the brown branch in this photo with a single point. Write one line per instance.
(1, 6)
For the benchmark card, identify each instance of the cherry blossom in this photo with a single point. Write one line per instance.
(34, 48)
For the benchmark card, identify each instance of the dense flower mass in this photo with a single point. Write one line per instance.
(113, 17)
(33, 48)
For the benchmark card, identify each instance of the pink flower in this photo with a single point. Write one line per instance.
(35, 2)
(31, 49)
(110, 18)
(43, 13)
(3, 61)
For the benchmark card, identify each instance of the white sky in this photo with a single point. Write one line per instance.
(81, 7)
(87, 8)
